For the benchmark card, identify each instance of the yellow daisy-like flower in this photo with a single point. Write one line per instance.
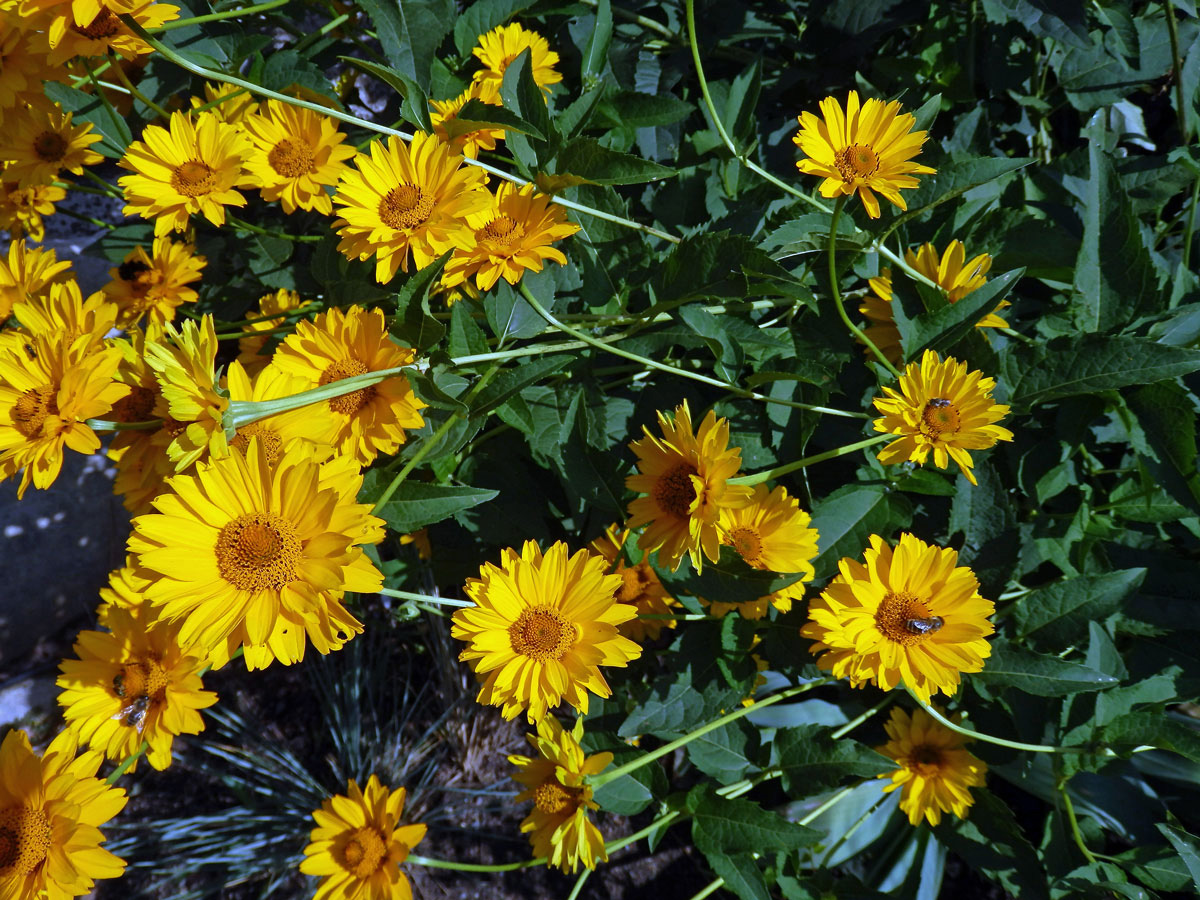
(640, 588)
(684, 476)
(63, 315)
(420, 540)
(23, 68)
(541, 628)
(516, 234)
(407, 198)
(185, 368)
(193, 168)
(952, 272)
(314, 425)
(22, 209)
(943, 408)
(468, 143)
(140, 456)
(936, 772)
(770, 533)
(43, 143)
(359, 844)
(51, 810)
(27, 273)
(340, 344)
(133, 683)
(867, 148)
(126, 590)
(266, 318)
(155, 284)
(104, 31)
(49, 388)
(254, 555)
(298, 153)
(229, 103)
(556, 781)
(502, 45)
(910, 616)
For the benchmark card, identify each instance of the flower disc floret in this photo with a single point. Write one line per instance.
(936, 771)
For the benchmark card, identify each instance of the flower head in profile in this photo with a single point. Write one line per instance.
(254, 554)
(227, 102)
(456, 134)
(314, 425)
(267, 317)
(772, 533)
(43, 143)
(952, 272)
(298, 153)
(515, 235)
(943, 409)
(502, 45)
(194, 167)
(140, 455)
(909, 616)
(683, 475)
(23, 209)
(407, 199)
(51, 810)
(341, 344)
(27, 273)
(133, 683)
(640, 587)
(155, 284)
(358, 845)
(541, 628)
(556, 781)
(865, 149)
(936, 771)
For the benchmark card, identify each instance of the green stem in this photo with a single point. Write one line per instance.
(129, 86)
(760, 477)
(91, 220)
(213, 75)
(416, 860)
(837, 845)
(243, 412)
(126, 763)
(829, 804)
(1190, 230)
(647, 758)
(621, 843)
(109, 189)
(1003, 742)
(579, 883)
(256, 229)
(859, 719)
(837, 295)
(683, 373)
(424, 598)
(1070, 807)
(1181, 109)
(713, 886)
(105, 425)
(217, 16)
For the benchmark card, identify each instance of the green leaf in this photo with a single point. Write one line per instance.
(510, 381)
(727, 753)
(631, 109)
(285, 69)
(521, 94)
(846, 519)
(417, 504)
(715, 264)
(1152, 728)
(269, 254)
(1042, 676)
(741, 104)
(466, 337)
(510, 315)
(724, 826)
(957, 176)
(809, 233)
(992, 843)
(946, 326)
(89, 108)
(729, 353)
(632, 793)
(741, 874)
(588, 159)
(415, 108)
(1058, 613)
(480, 18)
(1168, 418)
(414, 322)
(1186, 846)
(1114, 277)
(812, 761)
(476, 115)
(595, 56)
(729, 580)
(410, 32)
(1088, 364)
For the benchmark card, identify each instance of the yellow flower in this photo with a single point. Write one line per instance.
(230, 103)
(140, 456)
(43, 142)
(103, 32)
(467, 143)
(556, 781)
(502, 45)
(23, 67)
(266, 318)
(420, 540)
(771, 533)
(133, 683)
(184, 367)
(314, 425)
(193, 168)
(936, 772)
(28, 273)
(514, 235)
(341, 344)
(943, 408)
(952, 272)
(868, 148)
(297, 154)
(640, 588)
(406, 198)
(359, 844)
(22, 208)
(63, 315)
(257, 555)
(155, 284)
(910, 617)
(51, 808)
(541, 628)
(684, 475)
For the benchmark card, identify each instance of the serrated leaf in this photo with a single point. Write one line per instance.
(521, 94)
(587, 158)
(510, 381)
(480, 18)
(957, 176)
(632, 109)
(414, 322)
(1151, 728)
(410, 32)
(511, 316)
(632, 793)
(946, 326)
(847, 518)
(595, 55)
(741, 874)
(476, 115)
(1167, 415)
(729, 580)
(1186, 846)
(1058, 613)
(726, 754)
(1042, 676)
(417, 504)
(89, 108)
(811, 761)
(415, 108)
(991, 842)
(466, 337)
(720, 825)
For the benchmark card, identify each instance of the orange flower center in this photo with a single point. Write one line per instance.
(194, 178)
(32, 408)
(140, 684)
(541, 633)
(856, 162)
(925, 760)
(291, 159)
(350, 403)
(634, 582)
(25, 838)
(364, 852)
(938, 417)
(674, 492)
(551, 797)
(258, 552)
(905, 619)
(405, 206)
(501, 230)
(747, 542)
(50, 146)
(136, 406)
(271, 442)
(105, 25)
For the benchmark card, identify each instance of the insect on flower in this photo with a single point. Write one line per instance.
(928, 625)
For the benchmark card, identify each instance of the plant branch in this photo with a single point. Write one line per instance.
(760, 477)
